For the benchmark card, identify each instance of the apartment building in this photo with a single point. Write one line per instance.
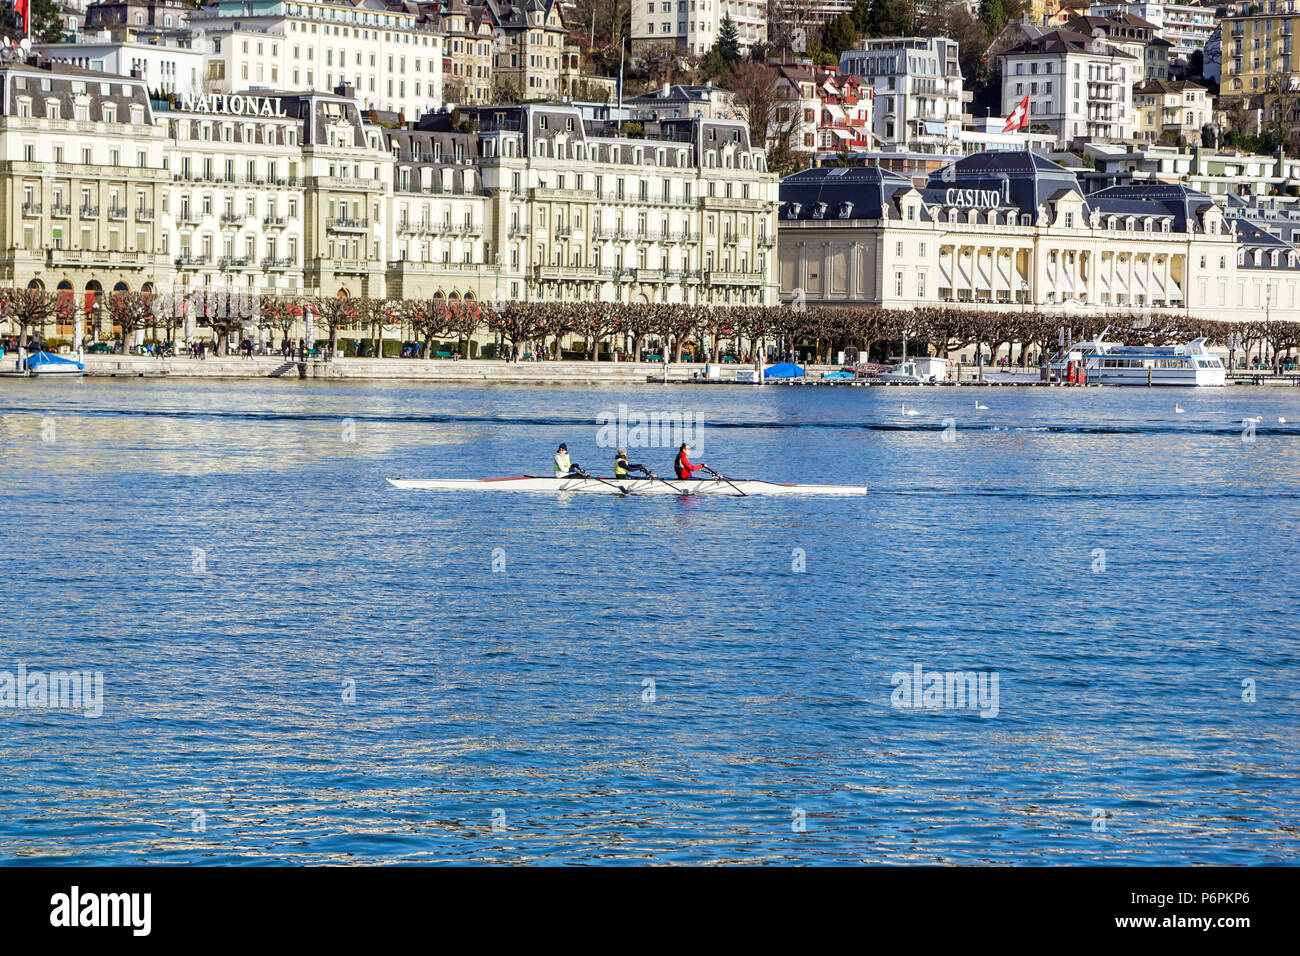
(1186, 26)
(693, 26)
(1172, 111)
(1080, 88)
(1128, 32)
(917, 91)
(167, 65)
(1259, 62)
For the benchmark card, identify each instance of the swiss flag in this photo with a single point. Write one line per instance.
(1019, 118)
(22, 8)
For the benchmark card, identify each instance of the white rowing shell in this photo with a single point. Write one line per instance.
(635, 486)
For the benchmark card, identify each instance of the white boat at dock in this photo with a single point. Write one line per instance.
(1109, 363)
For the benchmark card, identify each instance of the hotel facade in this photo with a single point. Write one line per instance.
(300, 194)
(1001, 230)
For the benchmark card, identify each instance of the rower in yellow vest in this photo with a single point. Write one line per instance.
(622, 469)
(563, 468)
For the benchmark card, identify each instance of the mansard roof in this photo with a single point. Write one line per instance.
(843, 192)
(1023, 178)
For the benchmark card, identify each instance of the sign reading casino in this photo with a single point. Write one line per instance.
(979, 198)
(232, 105)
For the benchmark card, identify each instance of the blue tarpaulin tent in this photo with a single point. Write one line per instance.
(783, 370)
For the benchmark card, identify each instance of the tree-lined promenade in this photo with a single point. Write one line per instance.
(597, 331)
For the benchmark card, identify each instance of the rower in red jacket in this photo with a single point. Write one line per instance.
(682, 465)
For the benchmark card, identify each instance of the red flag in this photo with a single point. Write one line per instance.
(22, 8)
(1019, 118)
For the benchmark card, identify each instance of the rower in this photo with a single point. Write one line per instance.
(562, 466)
(682, 464)
(622, 469)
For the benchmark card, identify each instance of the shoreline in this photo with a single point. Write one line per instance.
(497, 372)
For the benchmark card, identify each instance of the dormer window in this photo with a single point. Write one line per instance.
(846, 210)
(819, 211)
(793, 210)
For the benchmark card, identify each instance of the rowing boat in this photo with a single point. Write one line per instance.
(736, 487)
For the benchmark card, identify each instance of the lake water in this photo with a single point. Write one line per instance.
(301, 664)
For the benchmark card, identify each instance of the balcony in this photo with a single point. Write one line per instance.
(117, 212)
(407, 226)
(32, 208)
(520, 231)
(277, 265)
(565, 272)
(144, 215)
(274, 222)
(715, 277)
(191, 262)
(345, 224)
(346, 265)
(234, 262)
(189, 217)
(60, 212)
(233, 218)
(88, 212)
(97, 257)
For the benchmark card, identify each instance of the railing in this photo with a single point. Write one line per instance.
(191, 261)
(190, 218)
(89, 212)
(116, 212)
(407, 226)
(97, 257)
(520, 230)
(742, 278)
(32, 208)
(60, 212)
(233, 218)
(274, 222)
(234, 262)
(143, 215)
(344, 222)
(274, 265)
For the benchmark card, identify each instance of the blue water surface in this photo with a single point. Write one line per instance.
(302, 664)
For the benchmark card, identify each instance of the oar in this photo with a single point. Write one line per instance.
(621, 490)
(726, 479)
(655, 477)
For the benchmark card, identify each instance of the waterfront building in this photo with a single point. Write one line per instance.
(1004, 229)
(1171, 110)
(916, 83)
(291, 193)
(582, 212)
(693, 26)
(1080, 88)
(390, 56)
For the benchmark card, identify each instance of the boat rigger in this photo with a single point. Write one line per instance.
(727, 487)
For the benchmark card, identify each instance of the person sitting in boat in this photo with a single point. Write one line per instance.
(682, 464)
(622, 468)
(563, 467)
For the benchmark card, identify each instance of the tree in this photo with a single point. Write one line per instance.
(464, 319)
(729, 40)
(29, 309)
(839, 36)
(129, 311)
(771, 118)
(332, 313)
(46, 22)
(427, 318)
(955, 21)
(891, 18)
(994, 17)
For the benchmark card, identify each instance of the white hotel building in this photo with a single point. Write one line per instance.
(391, 59)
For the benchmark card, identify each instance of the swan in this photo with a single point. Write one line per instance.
(1178, 409)
(904, 410)
(982, 408)
(1281, 420)
(1257, 418)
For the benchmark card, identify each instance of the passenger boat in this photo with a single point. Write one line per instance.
(922, 370)
(734, 487)
(1108, 363)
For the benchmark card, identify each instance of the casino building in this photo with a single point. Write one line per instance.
(1001, 229)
